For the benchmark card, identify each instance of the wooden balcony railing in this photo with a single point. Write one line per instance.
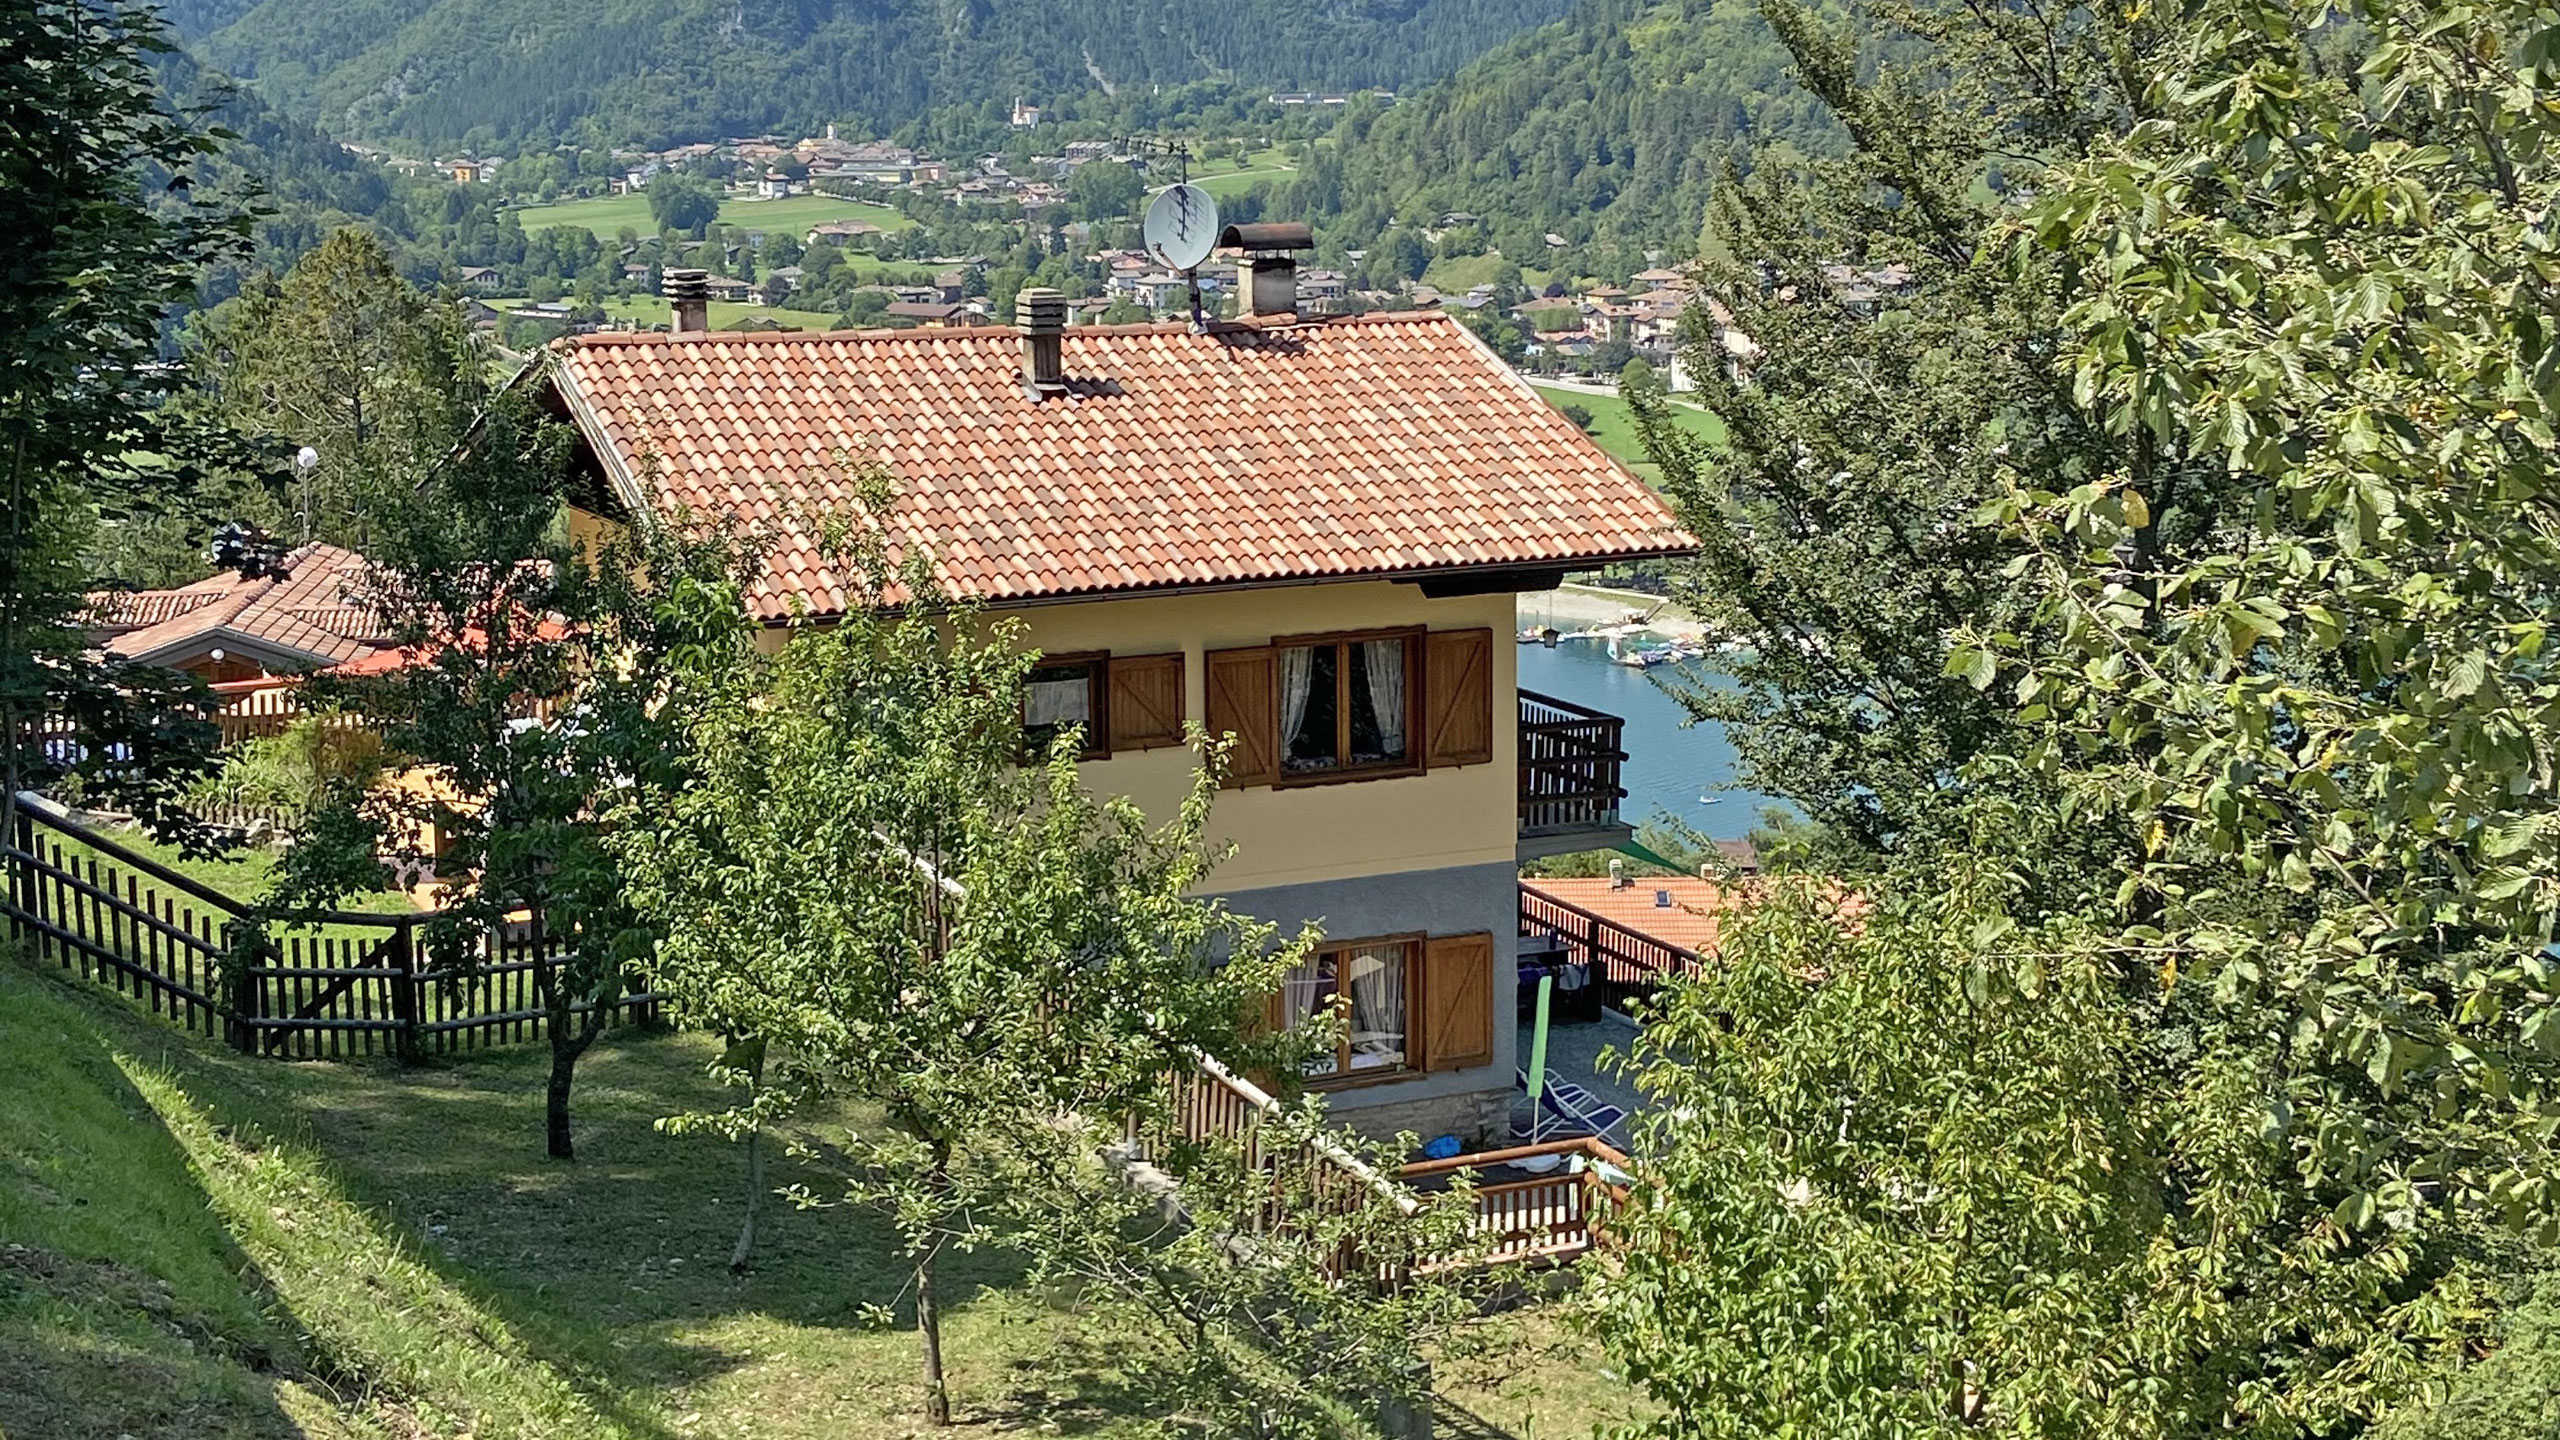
(1569, 766)
(1626, 965)
(1556, 1216)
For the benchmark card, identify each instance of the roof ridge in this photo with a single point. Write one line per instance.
(603, 339)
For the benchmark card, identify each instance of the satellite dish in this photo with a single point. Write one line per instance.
(1181, 228)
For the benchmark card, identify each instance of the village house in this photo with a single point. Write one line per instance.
(1302, 534)
(230, 627)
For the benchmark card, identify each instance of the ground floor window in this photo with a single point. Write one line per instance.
(1371, 983)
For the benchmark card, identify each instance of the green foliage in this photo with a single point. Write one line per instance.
(2513, 1394)
(1105, 190)
(291, 774)
(1577, 412)
(682, 202)
(95, 264)
(346, 357)
(477, 72)
(2023, 1207)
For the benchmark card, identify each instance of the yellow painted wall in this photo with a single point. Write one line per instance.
(1463, 816)
(1467, 815)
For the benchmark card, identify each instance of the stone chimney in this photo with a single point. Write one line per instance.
(689, 295)
(1267, 286)
(1042, 314)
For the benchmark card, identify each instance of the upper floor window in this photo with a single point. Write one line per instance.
(1344, 703)
(1307, 709)
(1065, 692)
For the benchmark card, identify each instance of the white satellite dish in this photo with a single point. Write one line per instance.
(1181, 227)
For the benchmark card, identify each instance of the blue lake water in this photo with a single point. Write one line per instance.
(1674, 767)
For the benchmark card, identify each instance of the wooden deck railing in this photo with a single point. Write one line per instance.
(1554, 1217)
(1626, 964)
(334, 985)
(1570, 764)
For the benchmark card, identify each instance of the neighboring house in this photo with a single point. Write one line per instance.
(227, 628)
(839, 231)
(724, 287)
(479, 279)
(1024, 116)
(1304, 534)
(926, 312)
(774, 186)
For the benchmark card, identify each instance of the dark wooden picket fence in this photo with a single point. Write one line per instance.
(340, 984)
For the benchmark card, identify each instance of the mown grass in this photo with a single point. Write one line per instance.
(210, 1245)
(607, 215)
(1613, 425)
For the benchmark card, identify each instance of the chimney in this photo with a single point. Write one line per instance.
(689, 295)
(1617, 874)
(1042, 313)
(1267, 285)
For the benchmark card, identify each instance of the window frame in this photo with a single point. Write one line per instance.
(1097, 726)
(1414, 638)
(1415, 943)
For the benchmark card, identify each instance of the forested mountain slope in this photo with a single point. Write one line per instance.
(442, 71)
(1609, 125)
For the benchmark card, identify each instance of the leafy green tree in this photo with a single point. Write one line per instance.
(532, 668)
(342, 355)
(680, 203)
(2326, 717)
(858, 864)
(95, 263)
(1990, 1216)
(1105, 190)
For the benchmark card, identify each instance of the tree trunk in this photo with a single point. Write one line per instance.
(937, 1394)
(755, 1192)
(555, 1106)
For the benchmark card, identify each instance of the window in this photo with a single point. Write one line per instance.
(1371, 983)
(1065, 691)
(1344, 702)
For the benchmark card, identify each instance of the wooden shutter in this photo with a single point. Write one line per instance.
(1241, 704)
(1457, 695)
(1146, 701)
(1457, 1001)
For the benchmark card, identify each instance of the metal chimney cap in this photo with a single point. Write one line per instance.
(1268, 235)
(685, 284)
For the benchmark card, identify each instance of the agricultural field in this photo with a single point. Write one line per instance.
(1459, 275)
(608, 215)
(1613, 425)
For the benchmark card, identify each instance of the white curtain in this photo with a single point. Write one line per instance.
(1377, 1006)
(1305, 996)
(1297, 677)
(1386, 692)
(1058, 702)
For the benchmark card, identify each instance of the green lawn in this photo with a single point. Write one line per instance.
(607, 215)
(203, 1244)
(1458, 276)
(1614, 426)
(1235, 182)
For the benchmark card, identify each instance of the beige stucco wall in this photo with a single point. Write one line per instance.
(1449, 817)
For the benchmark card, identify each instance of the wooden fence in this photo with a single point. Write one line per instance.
(1553, 1217)
(1627, 965)
(341, 984)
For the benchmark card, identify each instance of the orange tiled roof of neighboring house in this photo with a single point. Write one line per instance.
(1693, 920)
(310, 614)
(1376, 445)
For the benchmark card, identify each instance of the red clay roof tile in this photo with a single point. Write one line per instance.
(1377, 445)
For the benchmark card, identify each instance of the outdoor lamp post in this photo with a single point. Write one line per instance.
(305, 461)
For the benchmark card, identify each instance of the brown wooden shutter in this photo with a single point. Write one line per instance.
(1146, 701)
(1457, 693)
(1457, 1001)
(1241, 704)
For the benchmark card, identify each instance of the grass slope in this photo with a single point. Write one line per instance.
(194, 1243)
(607, 215)
(1613, 425)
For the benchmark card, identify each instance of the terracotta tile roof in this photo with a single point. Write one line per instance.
(310, 611)
(1373, 445)
(1691, 921)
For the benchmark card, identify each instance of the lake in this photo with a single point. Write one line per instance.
(1671, 764)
